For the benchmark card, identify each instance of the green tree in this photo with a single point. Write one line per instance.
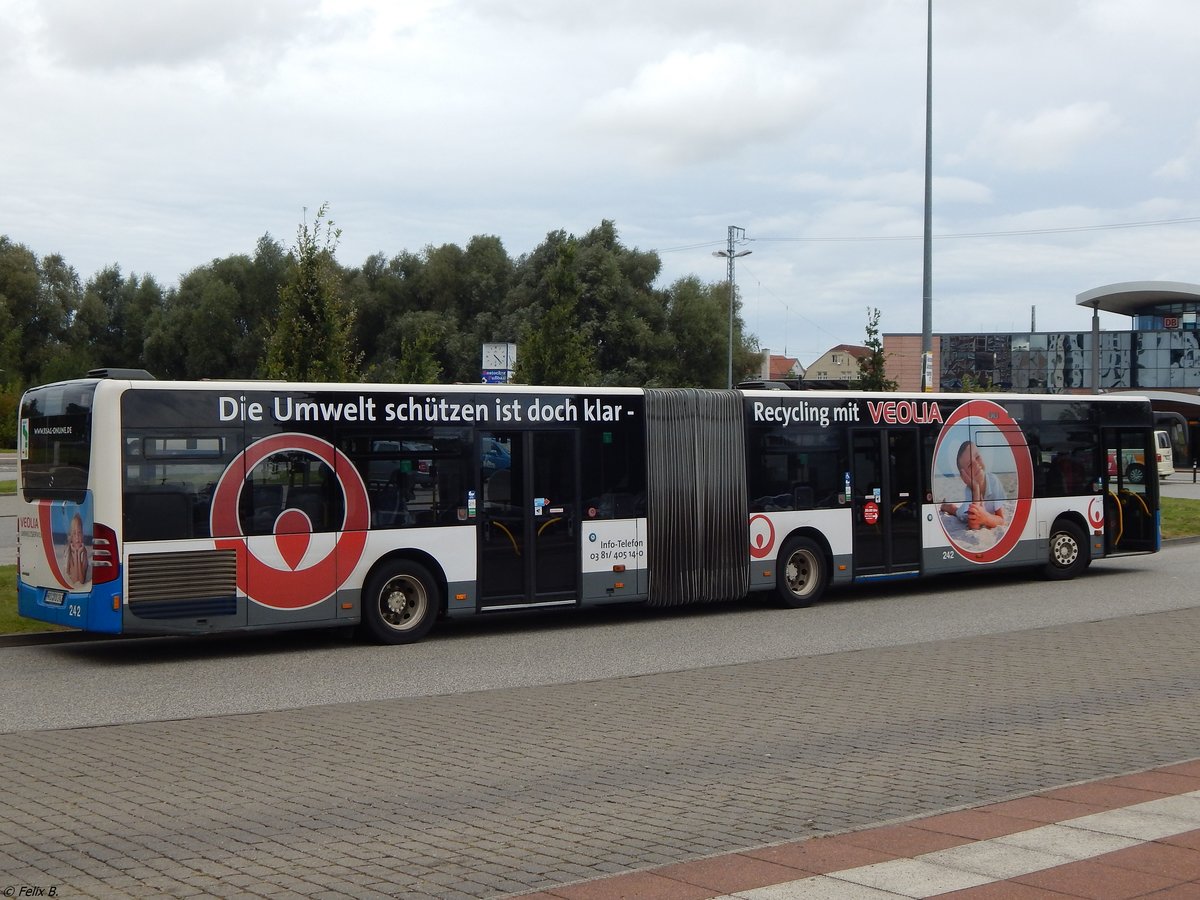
(410, 349)
(557, 350)
(417, 363)
(872, 372)
(216, 324)
(38, 299)
(115, 317)
(698, 325)
(312, 339)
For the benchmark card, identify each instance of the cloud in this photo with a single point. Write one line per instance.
(893, 187)
(1049, 140)
(121, 34)
(701, 106)
(1181, 167)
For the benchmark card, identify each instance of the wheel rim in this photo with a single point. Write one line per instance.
(403, 602)
(801, 573)
(1065, 550)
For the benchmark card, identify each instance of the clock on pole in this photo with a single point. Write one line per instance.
(498, 361)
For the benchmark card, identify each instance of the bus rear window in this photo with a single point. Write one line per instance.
(55, 441)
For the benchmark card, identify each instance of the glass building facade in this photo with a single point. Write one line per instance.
(1061, 362)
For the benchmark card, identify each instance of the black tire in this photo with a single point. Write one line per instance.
(803, 573)
(400, 603)
(1069, 551)
(1135, 474)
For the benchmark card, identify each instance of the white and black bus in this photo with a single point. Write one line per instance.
(153, 507)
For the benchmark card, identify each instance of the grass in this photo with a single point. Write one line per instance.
(1180, 518)
(10, 622)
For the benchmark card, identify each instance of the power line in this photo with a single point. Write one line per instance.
(984, 234)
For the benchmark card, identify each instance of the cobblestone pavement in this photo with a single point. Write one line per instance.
(500, 792)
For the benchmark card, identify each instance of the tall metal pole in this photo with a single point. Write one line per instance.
(735, 234)
(927, 378)
(733, 229)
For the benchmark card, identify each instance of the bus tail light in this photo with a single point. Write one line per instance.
(106, 564)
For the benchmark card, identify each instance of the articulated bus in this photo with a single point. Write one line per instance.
(156, 507)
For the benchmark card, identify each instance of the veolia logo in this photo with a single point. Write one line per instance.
(762, 537)
(296, 586)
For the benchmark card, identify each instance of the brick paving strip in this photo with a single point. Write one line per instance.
(504, 792)
(1096, 840)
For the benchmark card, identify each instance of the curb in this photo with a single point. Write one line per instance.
(43, 638)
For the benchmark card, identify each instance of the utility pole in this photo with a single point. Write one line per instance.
(736, 235)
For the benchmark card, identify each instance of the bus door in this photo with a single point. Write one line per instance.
(1130, 491)
(528, 518)
(886, 491)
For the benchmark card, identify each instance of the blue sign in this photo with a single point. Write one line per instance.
(495, 376)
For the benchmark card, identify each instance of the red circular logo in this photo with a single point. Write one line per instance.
(1005, 448)
(1096, 513)
(293, 587)
(870, 512)
(762, 536)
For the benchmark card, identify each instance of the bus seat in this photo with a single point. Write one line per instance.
(499, 487)
(390, 506)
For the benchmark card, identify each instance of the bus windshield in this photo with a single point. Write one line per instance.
(55, 441)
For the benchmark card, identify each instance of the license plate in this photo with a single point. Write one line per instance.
(55, 598)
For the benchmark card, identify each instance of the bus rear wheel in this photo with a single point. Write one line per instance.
(803, 573)
(1068, 551)
(400, 603)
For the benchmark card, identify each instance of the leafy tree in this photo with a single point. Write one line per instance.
(697, 320)
(410, 349)
(39, 300)
(312, 337)
(417, 363)
(115, 317)
(217, 323)
(872, 375)
(557, 350)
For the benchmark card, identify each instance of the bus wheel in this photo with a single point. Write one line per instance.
(400, 603)
(1068, 551)
(1135, 474)
(803, 573)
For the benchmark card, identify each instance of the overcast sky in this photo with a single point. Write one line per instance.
(161, 135)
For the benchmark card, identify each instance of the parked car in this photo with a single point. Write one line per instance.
(1133, 462)
(418, 470)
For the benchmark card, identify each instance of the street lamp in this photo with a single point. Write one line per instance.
(735, 234)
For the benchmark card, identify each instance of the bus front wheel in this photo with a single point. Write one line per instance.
(1068, 551)
(803, 573)
(400, 603)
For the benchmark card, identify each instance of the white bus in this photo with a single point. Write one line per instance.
(152, 507)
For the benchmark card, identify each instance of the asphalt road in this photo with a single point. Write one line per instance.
(139, 680)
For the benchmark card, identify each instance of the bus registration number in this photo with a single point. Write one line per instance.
(55, 598)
